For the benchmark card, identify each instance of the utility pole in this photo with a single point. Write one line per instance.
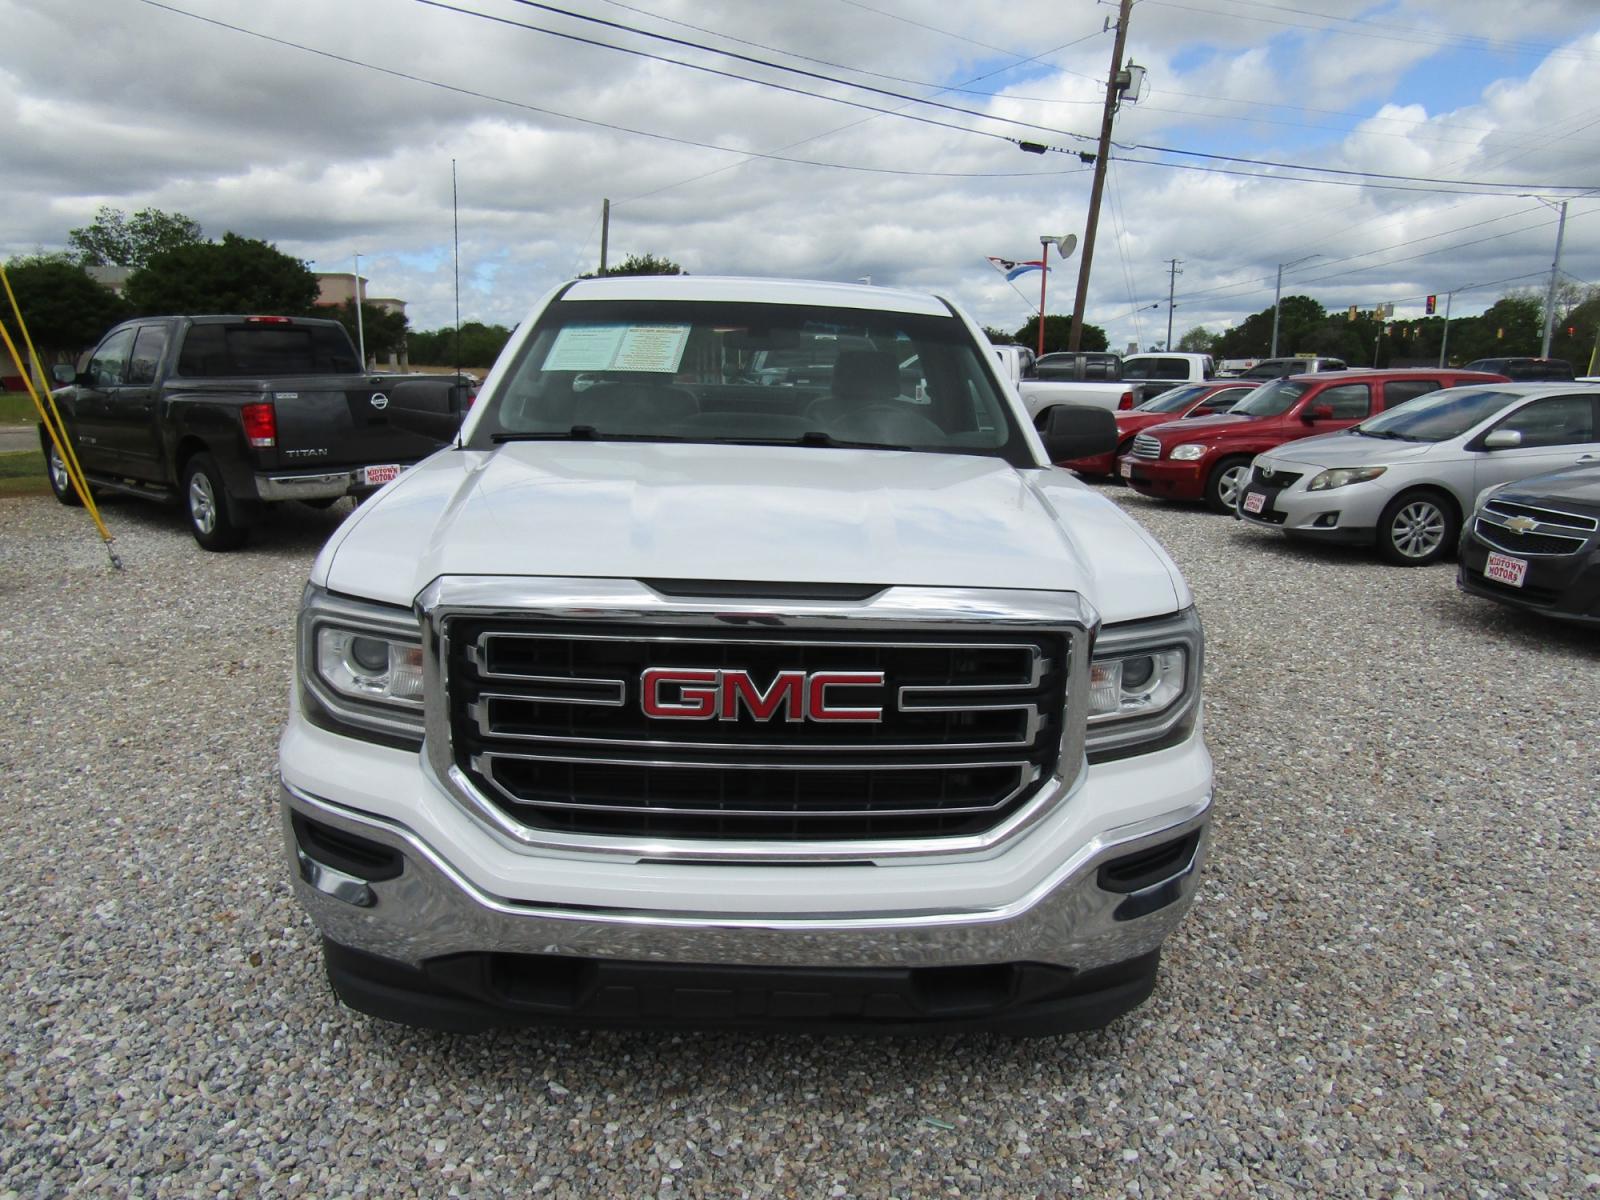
(1277, 299)
(1172, 284)
(361, 333)
(605, 232)
(1550, 293)
(1112, 93)
(1445, 340)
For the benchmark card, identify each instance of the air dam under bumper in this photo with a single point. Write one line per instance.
(427, 947)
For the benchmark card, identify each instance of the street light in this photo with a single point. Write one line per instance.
(1277, 299)
(361, 336)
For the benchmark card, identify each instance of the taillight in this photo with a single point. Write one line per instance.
(1126, 402)
(260, 425)
(269, 320)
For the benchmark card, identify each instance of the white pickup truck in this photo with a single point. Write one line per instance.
(685, 699)
(1142, 376)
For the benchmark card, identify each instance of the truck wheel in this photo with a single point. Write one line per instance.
(60, 481)
(1225, 482)
(211, 516)
(1417, 528)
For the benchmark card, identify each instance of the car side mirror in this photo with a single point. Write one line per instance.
(1502, 439)
(1074, 431)
(1317, 412)
(63, 373)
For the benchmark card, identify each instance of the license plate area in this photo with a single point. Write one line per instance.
(1502, 568)
(1125, 469)
(376, 476)
(1254, 502)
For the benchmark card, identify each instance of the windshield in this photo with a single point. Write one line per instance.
(1155, 368)
(725, 371)
(217, 351)
(1437, 417)
(1176, 400)
(1271, 399)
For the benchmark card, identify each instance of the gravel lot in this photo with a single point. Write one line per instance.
(1387, 987)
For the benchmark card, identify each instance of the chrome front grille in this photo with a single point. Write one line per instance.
(1145, 446)
(1523, 529)
(933, 732)
(1267, 477)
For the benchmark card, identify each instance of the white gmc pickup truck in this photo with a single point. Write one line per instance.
(673, 698)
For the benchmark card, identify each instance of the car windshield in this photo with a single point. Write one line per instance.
(1437, 417)
(1176, 400)
(1154, 368)
(724, 371)
(1271, 399)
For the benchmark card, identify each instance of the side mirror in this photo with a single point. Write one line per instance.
(63, 373)
(1502, 439)
(1317, 412)
(1073, 431)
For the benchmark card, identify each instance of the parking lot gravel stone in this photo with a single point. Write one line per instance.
(1387, 988)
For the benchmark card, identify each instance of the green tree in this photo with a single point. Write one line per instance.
(65, 310)
(382, 332)
(1511, 326)
(1198, 340)
(998, 337)
(1058, 332)
(480, 345)
(639, 264)
(235, 275)
(115, 239)
(1299, 318)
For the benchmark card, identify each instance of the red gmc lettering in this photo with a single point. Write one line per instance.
(817, 695)
(697, 694)
(700, 695)
(787, 692)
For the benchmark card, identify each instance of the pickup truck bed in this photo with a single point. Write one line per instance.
(222, 413)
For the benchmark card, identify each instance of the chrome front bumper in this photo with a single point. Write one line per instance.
(321, 486)
(430, 910)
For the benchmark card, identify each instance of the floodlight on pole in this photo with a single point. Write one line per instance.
(1555, 271)
(1277, 299)
(1065, 244)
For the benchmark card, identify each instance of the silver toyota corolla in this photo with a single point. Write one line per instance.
(1403, 479)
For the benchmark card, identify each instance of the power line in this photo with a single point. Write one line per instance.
(615, 128)
(1355, 183)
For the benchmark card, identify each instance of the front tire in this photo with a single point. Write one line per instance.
(212, 519)
(1416, 529)
(1225, 484)
(60, 480)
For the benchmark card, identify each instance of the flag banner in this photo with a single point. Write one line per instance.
(1024, 267)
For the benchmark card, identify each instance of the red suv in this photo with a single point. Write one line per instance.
(1186, 401)
(1209, 458)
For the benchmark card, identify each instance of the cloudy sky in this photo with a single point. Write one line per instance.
(786, 137)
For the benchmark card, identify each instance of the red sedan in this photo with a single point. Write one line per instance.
(1186, 400)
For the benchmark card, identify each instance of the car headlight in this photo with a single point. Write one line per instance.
(1339, 477)
(360, 668)
(1188, 452)
(1144, 685)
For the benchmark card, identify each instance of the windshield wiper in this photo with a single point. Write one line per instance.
(584, 433)
(1374, 433)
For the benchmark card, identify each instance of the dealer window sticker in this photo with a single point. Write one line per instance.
(656, 348)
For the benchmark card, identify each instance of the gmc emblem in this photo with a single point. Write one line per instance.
(678, 694)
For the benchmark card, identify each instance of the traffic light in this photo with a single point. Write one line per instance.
(1571, 330)
(1433, 304)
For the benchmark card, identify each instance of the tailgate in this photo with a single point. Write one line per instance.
(361, 420)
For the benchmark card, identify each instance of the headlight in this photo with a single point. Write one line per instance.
(1144, 685)
(360, 668)
(1477, 505)
(369, 667)
(1340, 477)
(1188, 452)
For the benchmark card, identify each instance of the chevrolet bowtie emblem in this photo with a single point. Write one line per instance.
(1521, 524)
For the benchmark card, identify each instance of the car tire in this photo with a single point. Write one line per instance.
(1226, 481)
(60, 481)
(211, 514)
(1417, 528)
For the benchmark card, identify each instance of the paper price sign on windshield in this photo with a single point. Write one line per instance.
(618, 348)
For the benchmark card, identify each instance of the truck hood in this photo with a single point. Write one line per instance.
(754, 513)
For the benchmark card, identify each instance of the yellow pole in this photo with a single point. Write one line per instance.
(51, 417)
